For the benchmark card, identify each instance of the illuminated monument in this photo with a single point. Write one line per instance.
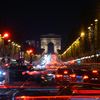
(51, 43)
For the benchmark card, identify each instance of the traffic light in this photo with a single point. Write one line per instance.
(6, 35)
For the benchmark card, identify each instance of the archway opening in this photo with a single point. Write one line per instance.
(50, 47)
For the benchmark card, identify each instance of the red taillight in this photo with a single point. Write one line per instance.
(65, 72)
(6, 65)
(23, 73)
(85, 77)
(58, 76)
(73, 75)
(42, 77)
(94, 71)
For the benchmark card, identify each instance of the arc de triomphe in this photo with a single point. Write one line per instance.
(51, 43)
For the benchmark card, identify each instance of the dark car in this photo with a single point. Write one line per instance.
(62, 75)
(94, 76)
(47, 78)
(80, 75)
(87, 75)
(2, 76)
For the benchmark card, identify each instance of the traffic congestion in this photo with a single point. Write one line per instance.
(60, 78)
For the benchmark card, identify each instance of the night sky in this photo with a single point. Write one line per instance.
(28, 19)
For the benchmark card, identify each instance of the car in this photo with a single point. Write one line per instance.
(94, 76)
(48, 77)
(80, 75)
(87, 75)
(62, 75)
(2, 77)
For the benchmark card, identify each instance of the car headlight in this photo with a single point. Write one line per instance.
(2, 73)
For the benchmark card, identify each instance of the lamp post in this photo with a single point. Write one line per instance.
(82, 34)
(30, 52)
(91, 37)
(96, 34)
(96, 45)
(5, 37)
(1, 45)
(82, 40)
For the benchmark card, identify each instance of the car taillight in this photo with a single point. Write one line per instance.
(65, 72)
(6, 65)
(85, 77)
(42, 77)
(73, 75)
(58, 75)
(94, 71)
(23, 73)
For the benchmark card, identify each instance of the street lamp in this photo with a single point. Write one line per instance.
(5, 37)
(30, 52)
(96, 34)
(82, 42)
(96, 20)
(9, 40)
(82, 34)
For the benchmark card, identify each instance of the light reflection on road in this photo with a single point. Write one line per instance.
(58, 98)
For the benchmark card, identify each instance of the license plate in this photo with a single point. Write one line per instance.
(65, 76)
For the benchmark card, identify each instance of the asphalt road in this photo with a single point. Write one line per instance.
(29, 91)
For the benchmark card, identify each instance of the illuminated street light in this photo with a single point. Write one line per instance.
(91, 24)
(82, 34)
(29, 51)
(96, 35)
(19, 46)
(96, 20)
(5, 37)
(13, 44)
(89, 27)
(9, 40)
